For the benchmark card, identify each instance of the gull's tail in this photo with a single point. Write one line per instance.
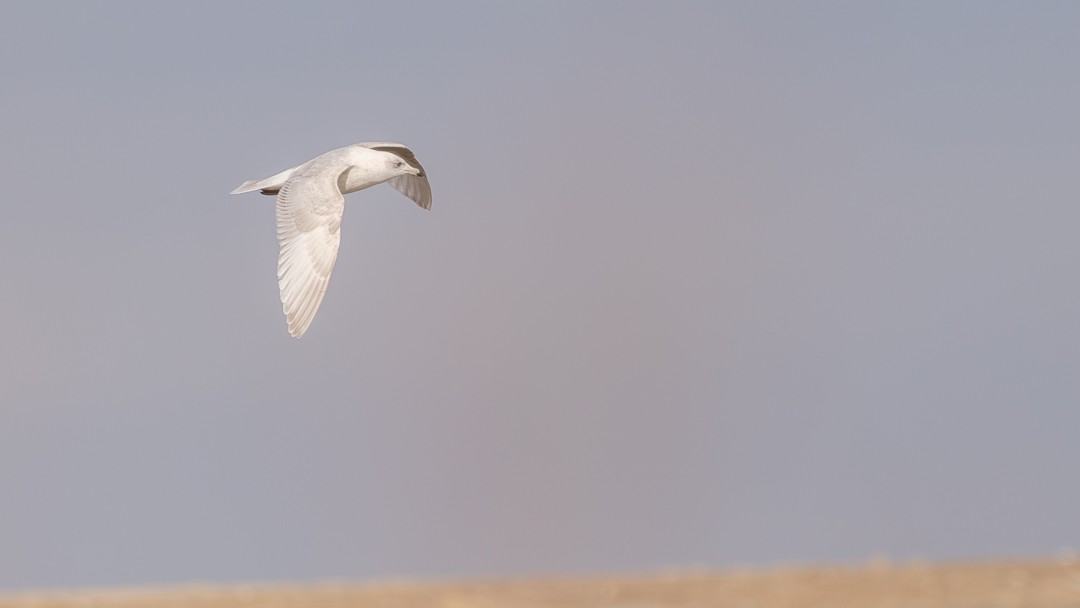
(270, 185)
(247, 186)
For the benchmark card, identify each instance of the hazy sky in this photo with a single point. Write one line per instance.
(704, 284)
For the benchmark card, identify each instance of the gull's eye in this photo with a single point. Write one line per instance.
(398, 163)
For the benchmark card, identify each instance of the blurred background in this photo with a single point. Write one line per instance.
(704, 284)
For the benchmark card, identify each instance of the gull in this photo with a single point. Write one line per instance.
(310, 203)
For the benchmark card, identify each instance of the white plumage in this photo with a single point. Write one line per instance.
(310, 204)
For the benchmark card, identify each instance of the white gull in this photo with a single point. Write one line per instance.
(310, 203)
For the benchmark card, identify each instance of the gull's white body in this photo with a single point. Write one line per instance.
(310, 204)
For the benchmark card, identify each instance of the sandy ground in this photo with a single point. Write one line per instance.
(1042, 583)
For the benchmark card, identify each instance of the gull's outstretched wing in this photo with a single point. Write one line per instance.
(415, 187)
(309, 210)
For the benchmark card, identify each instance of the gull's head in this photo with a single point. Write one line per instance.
(398, 166)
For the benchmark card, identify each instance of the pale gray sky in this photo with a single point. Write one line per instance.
(703, 284)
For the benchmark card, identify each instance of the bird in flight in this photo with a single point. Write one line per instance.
(310, 203)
